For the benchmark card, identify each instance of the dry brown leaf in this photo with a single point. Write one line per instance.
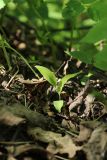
(42, 135)
(88, 103)
(9, 118)
(57, 143)
(96, 146)
(21, 150)
(10, 157)
(64, 145)
(33, 118)
(84, 134)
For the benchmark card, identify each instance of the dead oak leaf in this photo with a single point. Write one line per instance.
(84, 134)
(8, 118)
(64, 145)
(96, 146)
(56, 143)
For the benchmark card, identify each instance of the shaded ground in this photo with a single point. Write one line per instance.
(31, 128)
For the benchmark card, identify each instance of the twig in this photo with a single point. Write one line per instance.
(79, 98)
(59, 157)
(60, 67)
(11, 79)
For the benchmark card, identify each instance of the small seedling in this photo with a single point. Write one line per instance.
(57, 83)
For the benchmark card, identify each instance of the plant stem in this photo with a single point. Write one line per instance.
(26, 62)
(6, 54)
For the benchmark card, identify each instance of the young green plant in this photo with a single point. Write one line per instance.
(57, 83)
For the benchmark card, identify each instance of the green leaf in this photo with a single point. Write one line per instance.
(87, 1)
(98, 95)
(73, 8)
(38, 8)
(86, 78)
(43, 10)
(7, 1)
(2, 4)
(100, 60)
(98, 10)
(34, 3)
(86, 53)
(64, 80)
(97, 33)
(47, 74)
(58, 105)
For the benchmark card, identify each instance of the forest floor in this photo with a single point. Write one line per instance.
(30, 127)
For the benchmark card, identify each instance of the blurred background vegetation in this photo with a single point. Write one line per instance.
(42, 30)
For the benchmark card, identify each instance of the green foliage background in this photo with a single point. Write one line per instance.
(79, 25)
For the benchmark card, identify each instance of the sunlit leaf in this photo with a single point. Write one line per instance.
(97, 33)
(86, 78)
(86, 53)
(7, 1)
(2, 4)
(101, 59)
(98, 10)
(47, 74)
(64, 80)
(87, 1)
(73, 8)
(58, 105)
